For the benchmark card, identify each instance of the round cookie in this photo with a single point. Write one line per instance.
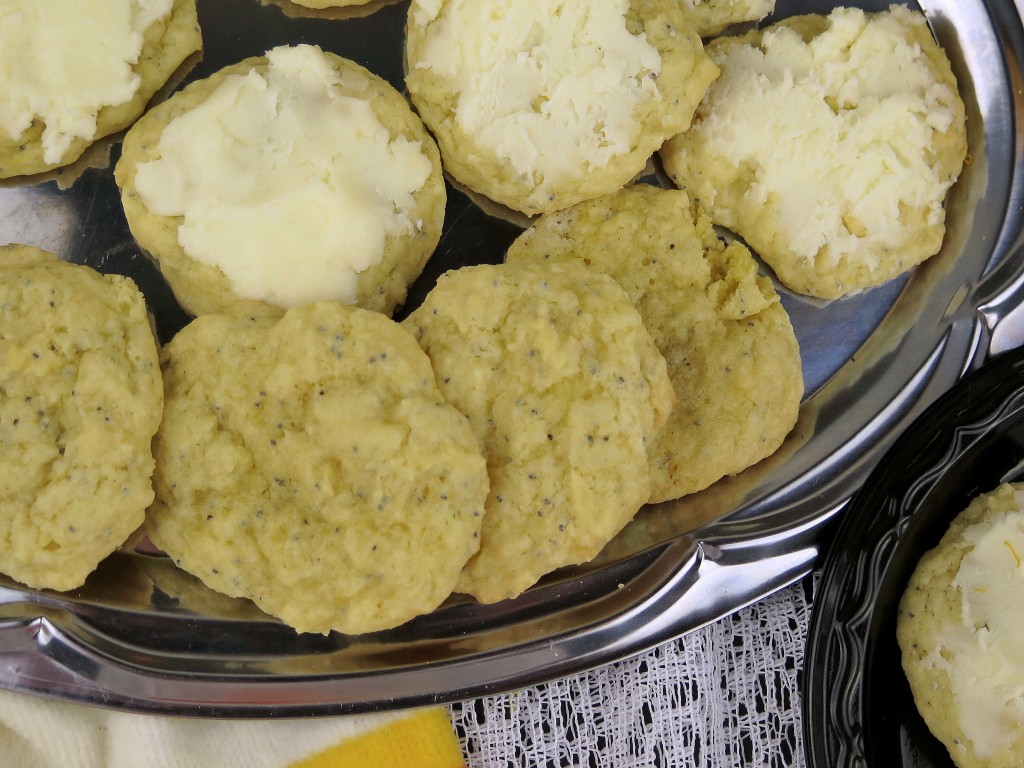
(539, 110)
(828, 144)
(166, 44)
(563, 387)
(347, 203)
(732, 356)
(959, 627)
(80, 399)
(710, 17)
(307, 461)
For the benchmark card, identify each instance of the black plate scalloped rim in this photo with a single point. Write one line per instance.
(857, 705)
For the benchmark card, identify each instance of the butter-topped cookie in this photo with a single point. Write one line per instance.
(294, 177)
(538, 107)
(829, 144)
(732, 356)
(74, 71)
(960, 626)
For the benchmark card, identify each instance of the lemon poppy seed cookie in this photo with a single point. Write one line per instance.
(540, 105)
(307, 461)
(563, 387)
(959, 628)
(732, 356)
(709, 17)
(74, 71)
(294, 177)
(80, 399)
(828, 143)
(324, 4)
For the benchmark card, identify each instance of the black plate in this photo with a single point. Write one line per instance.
(858, 708)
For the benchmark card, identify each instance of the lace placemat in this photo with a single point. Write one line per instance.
(723, 696)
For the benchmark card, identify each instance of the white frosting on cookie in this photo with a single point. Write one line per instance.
(62, 61)
(836, 129)
(527, 81)
(987, 674)
(285, 181)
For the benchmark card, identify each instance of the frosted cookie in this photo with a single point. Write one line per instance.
(563, 387)
(289, 178)
(709, 17)
(74, 71)
(829, 144)
(538, 109)
(80, 399)
(307, 461)
(732, 356)
(960, 626)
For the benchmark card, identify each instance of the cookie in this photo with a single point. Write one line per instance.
(75, 71)
(828, 144)
(307, 461)
(539, 108)
(710, 17)
(564, 388)
(80, 399)
(322, 4)
(732, 356)
(290, 178)
(333, 10)
(959, 629)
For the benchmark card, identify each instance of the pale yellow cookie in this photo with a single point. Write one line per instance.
(307, 462)
(539, 108)
(828, 143)
(564, 388)
(71, 58)
(960, 626)
(333, 10)
(732, 355)
(295, 177)
(80, 399)
(321, 4)
(709, 17)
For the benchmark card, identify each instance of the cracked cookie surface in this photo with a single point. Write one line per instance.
(564, 388)
(538, 110)
(732, 356)
(80, 399)
(308, 462)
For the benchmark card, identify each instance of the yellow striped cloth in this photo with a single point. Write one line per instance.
(425, 738)
(40, 733)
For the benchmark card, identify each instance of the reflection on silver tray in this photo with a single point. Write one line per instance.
(858, 708)
(144, 636)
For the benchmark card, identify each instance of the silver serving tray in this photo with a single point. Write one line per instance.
(144, 636)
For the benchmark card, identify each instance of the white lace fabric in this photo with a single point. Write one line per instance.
(724, 696)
